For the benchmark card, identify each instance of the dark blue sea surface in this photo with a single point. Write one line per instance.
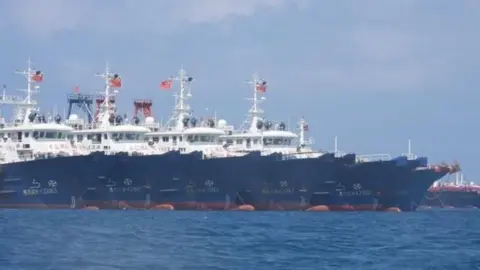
(76, 239)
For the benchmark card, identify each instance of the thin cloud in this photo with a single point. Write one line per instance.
(42, 21)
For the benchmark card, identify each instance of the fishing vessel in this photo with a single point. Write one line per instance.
(291, 170)
(37, 159)
(379, 182)
(453, 194)
(301, 178)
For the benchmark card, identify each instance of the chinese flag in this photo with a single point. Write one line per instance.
(167, 84)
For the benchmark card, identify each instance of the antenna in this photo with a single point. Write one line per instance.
(24, 105)
(336, 145)
(181, 110)
(255, 113)
(106, 102)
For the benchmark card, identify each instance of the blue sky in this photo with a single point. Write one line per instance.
(374, 73)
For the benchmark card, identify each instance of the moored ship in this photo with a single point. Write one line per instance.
(453, 194)
(37, 160)
(382, 183)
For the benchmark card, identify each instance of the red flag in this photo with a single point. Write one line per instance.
(116, 81)
(167, 84)
(38, 76)
(76, 89)
(261, 87)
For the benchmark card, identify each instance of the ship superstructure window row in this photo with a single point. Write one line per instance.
(126, 137)
(266, 141)
(200, 138)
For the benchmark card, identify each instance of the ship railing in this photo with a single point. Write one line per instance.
(410, 156)
(373, 157)
(77, 124)
(228, 128)
(14, 100)
(25, 156)
(154, 127)
(302, 155)
(12, 124)
(232, 131)
(80, 124)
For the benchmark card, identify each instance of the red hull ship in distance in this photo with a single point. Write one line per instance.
(456, 194)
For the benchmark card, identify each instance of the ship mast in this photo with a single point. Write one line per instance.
(107, 108)
(24, 106)
(255, 113)
(182, 108)
(301, 137)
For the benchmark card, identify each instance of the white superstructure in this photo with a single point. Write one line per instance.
(184, 132)
(31, 135)
(109, 133)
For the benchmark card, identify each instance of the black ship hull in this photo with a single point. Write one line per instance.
(189, 182)
(377, 186)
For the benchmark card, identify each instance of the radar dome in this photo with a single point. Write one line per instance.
(222, 123)
(149, 120)
(73, 117)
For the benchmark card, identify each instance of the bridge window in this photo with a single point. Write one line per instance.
(97, 138)
(156, 139)
(132, 136)
(27, 134)
(278, 141)
(239, 141)
(79, 138)
(165, 138)
(50, 135)
(205, 138)
(256, 141)
(117, 136)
